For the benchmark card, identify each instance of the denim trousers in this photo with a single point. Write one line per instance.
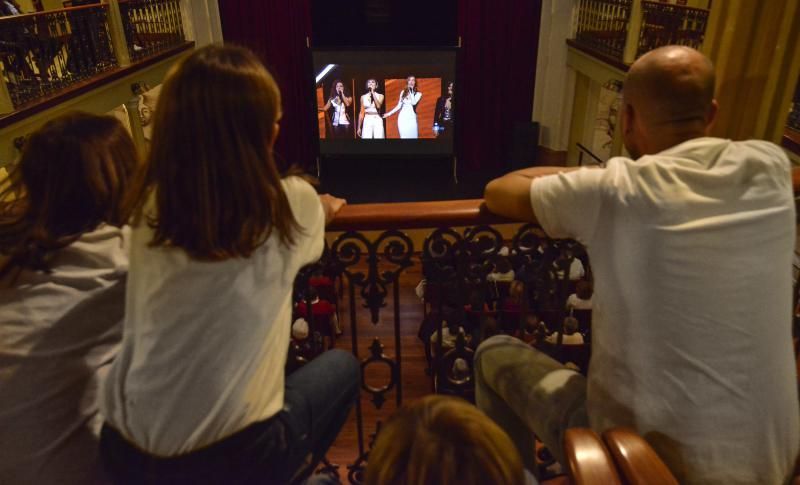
(525, 392)
(282, 449)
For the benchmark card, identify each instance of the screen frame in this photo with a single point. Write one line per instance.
(386, 149)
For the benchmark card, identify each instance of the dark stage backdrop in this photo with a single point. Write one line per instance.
(495, 80)
(276, 31)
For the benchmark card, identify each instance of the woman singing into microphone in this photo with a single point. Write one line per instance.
(371, 103)
(407, 119)
(338, 103)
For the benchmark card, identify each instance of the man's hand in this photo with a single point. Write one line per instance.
(331, 205)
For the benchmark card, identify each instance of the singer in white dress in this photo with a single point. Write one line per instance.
(407, 119)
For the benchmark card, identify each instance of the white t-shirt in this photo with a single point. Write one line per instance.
(574, 302)
(569, 339)
(59, 332)
(576, 270)
(205, 342)
(692, 252)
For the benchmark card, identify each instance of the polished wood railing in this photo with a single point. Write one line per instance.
(603, 26)
(151, 26)
(45, 52)
(668, 24)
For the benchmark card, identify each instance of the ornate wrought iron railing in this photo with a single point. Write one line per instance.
(372, 253)
(602, 26)
(151, 26)
(43, 53)
(668, 24)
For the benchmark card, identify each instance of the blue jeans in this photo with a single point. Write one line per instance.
(282, 449)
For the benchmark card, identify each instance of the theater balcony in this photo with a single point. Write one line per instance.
(587, 46)
(102, 58)
(92, 57)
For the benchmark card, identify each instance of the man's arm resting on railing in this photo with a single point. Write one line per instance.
(510, 195)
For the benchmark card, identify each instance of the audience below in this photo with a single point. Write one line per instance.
(443, 440)
(63, 261)
(571, 335)
(691, 241)
(197, 393)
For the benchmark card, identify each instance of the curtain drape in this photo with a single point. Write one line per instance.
(276, 31)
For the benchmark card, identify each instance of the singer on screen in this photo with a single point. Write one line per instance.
(370, 123)
(337, 106)
(407, 119)
(443, 117)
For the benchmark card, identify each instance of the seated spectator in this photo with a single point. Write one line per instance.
(449, 335)
(514, 301)
(534, 329)
(571, 334)
(582, 298)
(319, 307)
(308, 344)
(692, 239)
(63, 263)
(502, 271)
(489, 327)
(443, 440)
(198, 393)
(576, 269)
(419, 290)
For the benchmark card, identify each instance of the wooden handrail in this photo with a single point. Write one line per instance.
(422, 215)
(408, 215)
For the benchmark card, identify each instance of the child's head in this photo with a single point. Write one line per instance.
(570, 325)
(443, 440)
(218, 192)
(71, 177)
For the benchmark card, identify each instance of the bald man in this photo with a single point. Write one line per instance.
(691, 243)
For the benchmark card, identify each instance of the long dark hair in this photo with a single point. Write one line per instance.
(216, 189)
(70, 179)
(333, 89)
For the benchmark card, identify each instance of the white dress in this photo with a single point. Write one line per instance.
(407, 119)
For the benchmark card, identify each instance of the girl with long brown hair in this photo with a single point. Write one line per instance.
(198, 394)
(63, 262)
(443, 440)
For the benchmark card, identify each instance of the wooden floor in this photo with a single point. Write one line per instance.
(415, 383)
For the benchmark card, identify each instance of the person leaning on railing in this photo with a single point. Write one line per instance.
(63, 263)
(691, 245)
(198, 393)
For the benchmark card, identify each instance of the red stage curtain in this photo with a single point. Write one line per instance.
(496, 76)
(276, 31)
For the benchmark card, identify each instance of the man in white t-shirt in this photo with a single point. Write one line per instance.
(691, 246)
